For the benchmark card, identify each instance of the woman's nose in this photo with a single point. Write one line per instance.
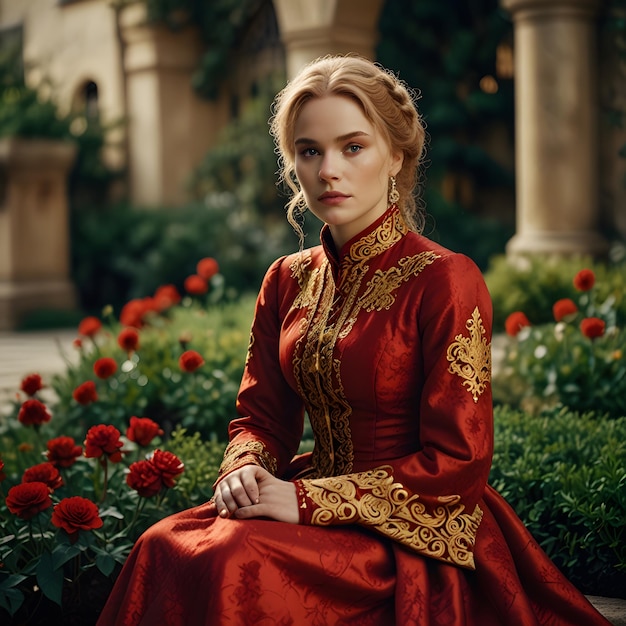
(329, 169)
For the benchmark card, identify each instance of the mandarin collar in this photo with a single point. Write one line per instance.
(379, 236)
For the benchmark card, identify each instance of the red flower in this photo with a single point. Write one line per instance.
(103, 440)
(105, 367)
(166, 296)
(134, 312)
(77, 343)
(144, 478)
(584, 280)
(190, 361)
(207, 268)
(128, 339)
(515, 322)
(63, 451)
(563, 308)
(43, 473)
(33, 413)
(85, 393)
(143, 430)
(2, 474)
(76, 513)
(592, 327)
(28, 499)
(168, 465)
(31, 384)
(89, 326)
(196, 285)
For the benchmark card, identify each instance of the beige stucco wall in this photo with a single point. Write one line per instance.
(70, 45)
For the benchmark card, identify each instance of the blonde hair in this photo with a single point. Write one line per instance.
(385, 101)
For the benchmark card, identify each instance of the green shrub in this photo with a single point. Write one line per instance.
(564, 473)
(149, 382)
(577, 361)
(536, 284)
(122, 252)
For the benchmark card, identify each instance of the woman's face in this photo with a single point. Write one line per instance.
(343, 165)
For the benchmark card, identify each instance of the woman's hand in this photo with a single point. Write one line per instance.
(252, 491)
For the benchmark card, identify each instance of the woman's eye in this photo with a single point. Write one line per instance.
(353, 149)
(309, 152)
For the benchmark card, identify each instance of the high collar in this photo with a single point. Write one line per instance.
(379, 236)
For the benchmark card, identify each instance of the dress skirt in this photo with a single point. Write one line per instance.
(197, 569)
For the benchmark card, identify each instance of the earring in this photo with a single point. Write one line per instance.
(394, 194)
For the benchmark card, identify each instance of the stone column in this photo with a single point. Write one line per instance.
(34, 228)
(170, 127)
(313, 28)
(556, 125)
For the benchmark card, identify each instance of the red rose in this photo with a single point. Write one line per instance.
(76, 513)
(515, 322)
(28, 499)
(563, 308)
(168, 465)
(190, 361)
(128, 339)
(166, 296)
(43, 473)
(196, 285)
(592, 327)
(31, 384)
(103, 440)
(207, 268)
(105, 367)
(33, 413)
(134, 312)
(89, 326)
(143, 430)
(85, 393)
(63, 451)
(144, 478)
(584, 280)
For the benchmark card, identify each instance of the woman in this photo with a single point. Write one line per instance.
(383, 338)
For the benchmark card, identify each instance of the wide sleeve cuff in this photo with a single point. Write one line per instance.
(445, 531)
(251, 452)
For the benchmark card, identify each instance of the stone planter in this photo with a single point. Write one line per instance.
(34, 228)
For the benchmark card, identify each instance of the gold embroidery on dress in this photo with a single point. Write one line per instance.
(238, 454)
(446, 533)
(470, 357)
(379, 292)
(330, 315)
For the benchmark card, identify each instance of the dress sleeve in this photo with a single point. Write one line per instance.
(270, 419)
(429, 500)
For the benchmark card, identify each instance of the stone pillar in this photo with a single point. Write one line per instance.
(34, 228)
(170, 128)
(556, 124)
(313, 28)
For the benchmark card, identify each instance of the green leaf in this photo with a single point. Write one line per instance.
(63, 553)
(11, 600)
(105, 563)
(49, 579)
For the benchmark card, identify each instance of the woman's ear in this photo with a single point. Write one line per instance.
(397, 159)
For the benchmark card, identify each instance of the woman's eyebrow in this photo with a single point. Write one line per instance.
(340, 139)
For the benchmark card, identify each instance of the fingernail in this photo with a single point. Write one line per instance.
(223, 512)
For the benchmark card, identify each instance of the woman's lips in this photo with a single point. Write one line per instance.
(332, 197)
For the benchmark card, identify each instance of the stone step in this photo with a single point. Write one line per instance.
(614, 609)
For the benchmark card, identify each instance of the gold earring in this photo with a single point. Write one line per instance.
(394, 194)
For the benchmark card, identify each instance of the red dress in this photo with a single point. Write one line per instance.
(386, 346)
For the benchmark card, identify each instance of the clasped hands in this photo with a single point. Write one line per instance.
(251, 491)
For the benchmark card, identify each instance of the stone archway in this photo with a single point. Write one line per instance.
(313, 28)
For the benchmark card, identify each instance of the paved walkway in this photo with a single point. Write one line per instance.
(41, 352)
